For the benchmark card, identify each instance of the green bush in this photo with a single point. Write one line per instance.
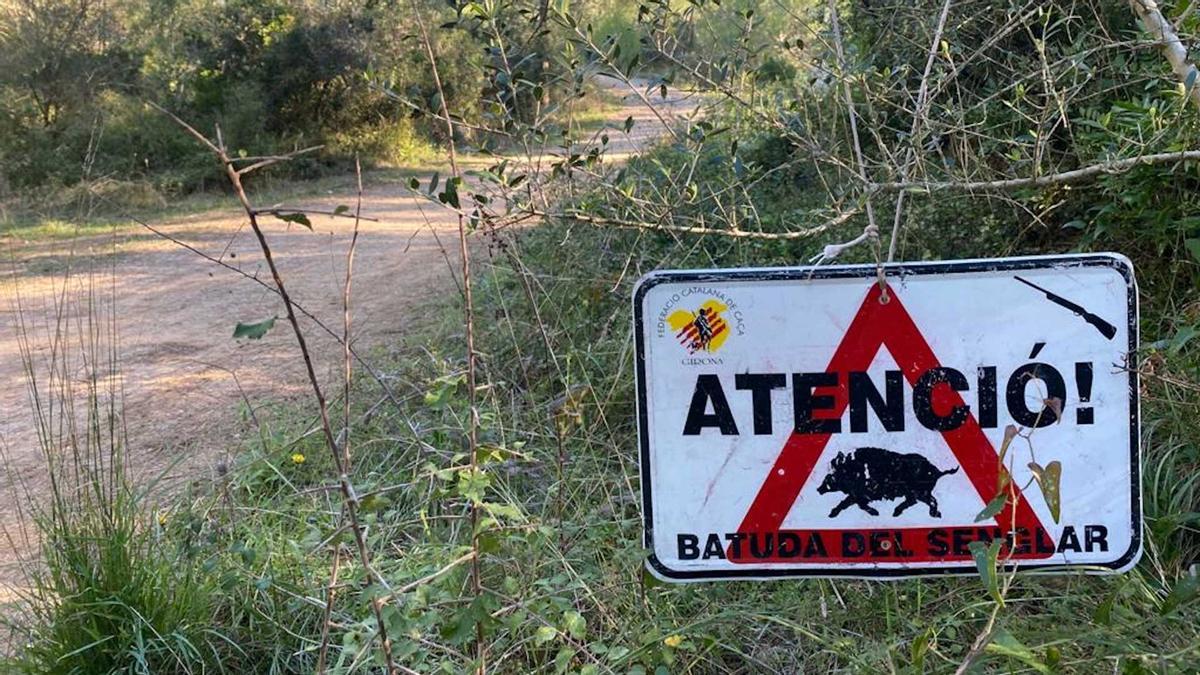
(396, 143)
(274, 76)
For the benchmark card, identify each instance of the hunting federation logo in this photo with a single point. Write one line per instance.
(701, 319)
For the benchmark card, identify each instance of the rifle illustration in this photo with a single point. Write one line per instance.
(1106, 329)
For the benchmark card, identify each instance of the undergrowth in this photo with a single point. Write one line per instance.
(557, 480)
(553, 482)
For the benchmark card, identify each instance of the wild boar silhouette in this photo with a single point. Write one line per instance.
(874, 474)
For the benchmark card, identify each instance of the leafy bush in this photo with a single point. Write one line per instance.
(274, 76)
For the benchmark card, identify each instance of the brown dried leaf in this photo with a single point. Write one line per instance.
(1055, 404)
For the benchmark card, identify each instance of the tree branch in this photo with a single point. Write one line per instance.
(279, 211)
(691, 229)
(350, 498)
(1073, 176)
(918, 117)
(1172, 46)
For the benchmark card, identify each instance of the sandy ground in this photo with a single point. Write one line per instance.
(185, 379)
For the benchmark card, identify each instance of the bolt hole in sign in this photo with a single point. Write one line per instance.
(811, 422)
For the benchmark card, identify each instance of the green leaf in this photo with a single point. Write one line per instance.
(254, 331)
(985, 561)
(473, 484)
(499, 511)
(298, 218)
(443, 389)
(544, 634)
(996, 505)
(433, 182)
(575, 624)
(1182, 337)
(341, 208)
(617, 653)
(920, 646)
(488, 543)
(1193, 247)
(1050, 480)
(1185, 591)
(450, 194)
(248, 554)
(562, 660)
(629, 126)
(1004, 644)
(414, 183)
(461, 627)
(374, 503)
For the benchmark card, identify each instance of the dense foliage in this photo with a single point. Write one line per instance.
(275, 75)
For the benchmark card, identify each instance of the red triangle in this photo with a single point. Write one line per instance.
(878, 324)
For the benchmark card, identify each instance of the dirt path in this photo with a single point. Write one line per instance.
(185, 378)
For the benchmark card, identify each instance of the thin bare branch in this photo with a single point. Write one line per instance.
(280, 211)
(263, 162)
(349, 497)
(374, 372)
(871, 231)
(412, 585)
(1073, 176)
(187, 127)
(700, 230)
(915, 131)
(327, 618)
(468, 308)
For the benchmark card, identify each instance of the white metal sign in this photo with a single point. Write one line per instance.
(811, 422)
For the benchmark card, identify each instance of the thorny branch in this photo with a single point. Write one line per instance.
(281, 211)
(468, 308)
(159, 232)
(692, 229)
(349, 497)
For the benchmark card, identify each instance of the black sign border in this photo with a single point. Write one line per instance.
(893, 271)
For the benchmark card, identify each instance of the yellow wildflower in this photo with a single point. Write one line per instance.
(297, 458)
(162, 518)
(673, 641)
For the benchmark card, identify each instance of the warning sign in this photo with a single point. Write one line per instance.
(812, 422)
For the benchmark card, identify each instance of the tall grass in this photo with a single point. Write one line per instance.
(108, 594)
